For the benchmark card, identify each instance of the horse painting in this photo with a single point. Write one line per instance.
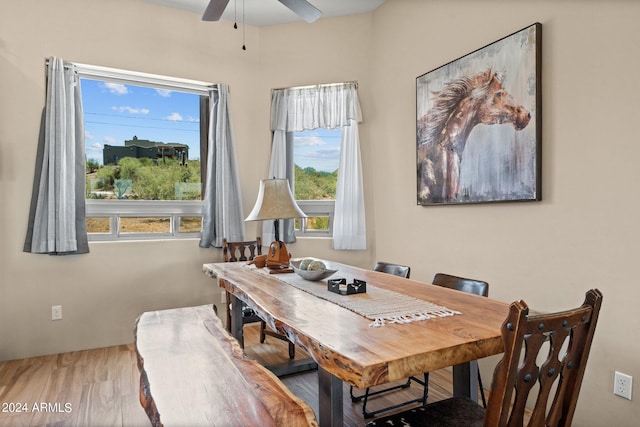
(442, 132)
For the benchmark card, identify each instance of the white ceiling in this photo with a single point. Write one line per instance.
(271, 12)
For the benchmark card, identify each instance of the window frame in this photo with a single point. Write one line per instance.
(116, 209)
(172, 209)
(313, 208)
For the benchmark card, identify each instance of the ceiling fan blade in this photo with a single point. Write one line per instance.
(303, 9)
(214, 10)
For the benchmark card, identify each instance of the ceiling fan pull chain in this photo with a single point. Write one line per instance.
(235, 14)
(244, 46)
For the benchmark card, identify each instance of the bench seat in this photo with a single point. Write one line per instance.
(192, 372)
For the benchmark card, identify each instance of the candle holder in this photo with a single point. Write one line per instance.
(340, 286)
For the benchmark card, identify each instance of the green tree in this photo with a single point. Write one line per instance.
(92, 165)
(315, 185)
(150, 181)
(108, 174)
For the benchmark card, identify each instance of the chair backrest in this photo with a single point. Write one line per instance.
(563, 340)
(472, 286)
(241, 251)
(395, 269)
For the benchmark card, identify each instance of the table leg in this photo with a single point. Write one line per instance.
(330, 397)
(465, 380)
(236, 319)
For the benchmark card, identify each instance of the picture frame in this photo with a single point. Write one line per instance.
(479, 123)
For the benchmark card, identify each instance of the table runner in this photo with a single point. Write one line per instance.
(380, 305)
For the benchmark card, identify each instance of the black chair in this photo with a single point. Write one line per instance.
(247, 251)
(401, 271)
(470, 286)
(562, 340)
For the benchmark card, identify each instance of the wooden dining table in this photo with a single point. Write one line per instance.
(348, 348)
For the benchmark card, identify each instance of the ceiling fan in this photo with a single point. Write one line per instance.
(302, 8)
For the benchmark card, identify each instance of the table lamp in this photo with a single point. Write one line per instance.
(276, 202)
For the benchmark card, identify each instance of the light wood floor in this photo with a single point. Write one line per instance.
(100, 387)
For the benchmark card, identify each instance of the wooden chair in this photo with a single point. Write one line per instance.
(401, 271)
(247, 251)
(471, 286)
(562, 340)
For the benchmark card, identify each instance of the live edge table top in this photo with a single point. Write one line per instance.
(344, 343)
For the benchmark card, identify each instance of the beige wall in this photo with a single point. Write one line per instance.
(582, 234)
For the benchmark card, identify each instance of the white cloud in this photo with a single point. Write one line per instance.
(163, 93)
(326, 160)
(174, 117)
(328, 154)
(131, 110)
(96, 146)
(308, 141)
(87, 135)
(116, 88)
(193, 119)
(109, 140)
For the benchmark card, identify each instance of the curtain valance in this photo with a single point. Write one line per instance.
(312, 107)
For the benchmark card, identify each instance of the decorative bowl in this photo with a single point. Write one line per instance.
(312, 275)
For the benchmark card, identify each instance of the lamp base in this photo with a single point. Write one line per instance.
(278, 258)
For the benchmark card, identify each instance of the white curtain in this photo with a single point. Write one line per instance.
(57, 223)
(222, 207)
(327, 106)
(349, 228)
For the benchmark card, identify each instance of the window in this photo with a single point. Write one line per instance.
(316, 158)
(143, 136)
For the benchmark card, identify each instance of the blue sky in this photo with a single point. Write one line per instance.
(318, 148)
(116, 112)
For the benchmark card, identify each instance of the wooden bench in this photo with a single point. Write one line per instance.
(193, 373)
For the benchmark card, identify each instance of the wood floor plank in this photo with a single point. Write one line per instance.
(60, 396)
(100, 405)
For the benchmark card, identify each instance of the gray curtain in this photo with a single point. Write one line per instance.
(222, 207)
(57, 216)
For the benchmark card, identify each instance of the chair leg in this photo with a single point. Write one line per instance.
(367, 394)
(425, 389)
(484, 400)
(292, 352)
(262, 334)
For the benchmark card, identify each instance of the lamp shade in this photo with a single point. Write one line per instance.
(275, 201)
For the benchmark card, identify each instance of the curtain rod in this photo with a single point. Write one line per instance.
(135, 77)
(318, 85)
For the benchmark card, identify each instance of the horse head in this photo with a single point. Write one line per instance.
(496, 105)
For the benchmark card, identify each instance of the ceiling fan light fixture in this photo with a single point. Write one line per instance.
(302, 8)
(214, 10)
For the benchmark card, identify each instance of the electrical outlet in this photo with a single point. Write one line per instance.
(56, 312)
(622, 384)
